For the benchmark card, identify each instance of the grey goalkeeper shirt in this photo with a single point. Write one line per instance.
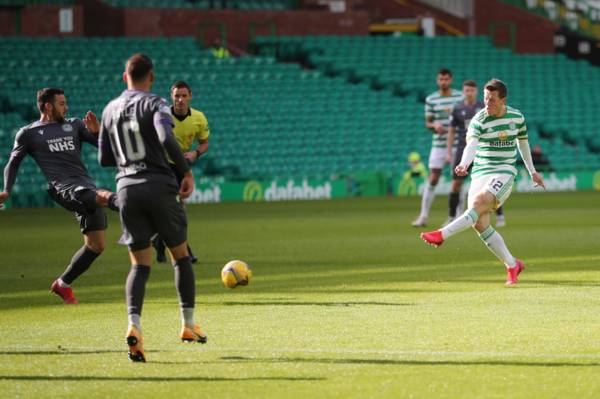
(56, 148)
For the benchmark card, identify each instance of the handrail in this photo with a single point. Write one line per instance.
(449, 28)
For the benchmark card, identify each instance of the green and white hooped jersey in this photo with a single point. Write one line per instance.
(497, 149)
(439, 108)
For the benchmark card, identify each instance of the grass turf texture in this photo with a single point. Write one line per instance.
(346, 302)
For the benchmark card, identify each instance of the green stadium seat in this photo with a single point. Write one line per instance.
(360, 109)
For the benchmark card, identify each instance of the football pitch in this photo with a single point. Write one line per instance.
(346, 302)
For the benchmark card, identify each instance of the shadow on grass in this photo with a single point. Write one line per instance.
(64, 352)
(412, 362)
(304, 281)
(307, 278)
(290, 303)
(447, 288)
(566, 283)
(366, 303)
(524, 282)
(76, 378)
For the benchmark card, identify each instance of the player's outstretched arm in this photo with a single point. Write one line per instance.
(538, 180)
(467, 157)
(88, 129)
(10, 176)
(3, 197)
(525, 152)
(12, 167)
(91, 122)
(461, 170)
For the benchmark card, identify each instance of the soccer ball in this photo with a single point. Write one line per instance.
(236, 273)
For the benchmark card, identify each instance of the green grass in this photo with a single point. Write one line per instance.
(346, 302)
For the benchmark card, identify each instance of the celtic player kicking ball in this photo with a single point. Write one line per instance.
(493, 136)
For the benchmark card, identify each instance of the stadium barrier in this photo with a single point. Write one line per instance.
(555, 182)
(218, 190)
(364, 185)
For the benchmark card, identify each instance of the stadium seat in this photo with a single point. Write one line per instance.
(542, 86)
(360, 109)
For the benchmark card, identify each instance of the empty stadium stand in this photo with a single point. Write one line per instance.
(550, 90)
(359, 110)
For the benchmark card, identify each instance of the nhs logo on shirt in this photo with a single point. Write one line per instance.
(61, 144)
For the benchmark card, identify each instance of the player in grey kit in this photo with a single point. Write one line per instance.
(461, 116)
(55, 144)
(136, 136)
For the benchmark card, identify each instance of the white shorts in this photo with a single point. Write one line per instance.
(437, 158)
(499, 185)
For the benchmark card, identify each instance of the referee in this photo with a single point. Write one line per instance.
(190, 125)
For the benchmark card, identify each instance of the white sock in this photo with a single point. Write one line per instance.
(494, 241)
(62, 284)
(461, 223)
(427, 200)
(187, 317)
(134, 319)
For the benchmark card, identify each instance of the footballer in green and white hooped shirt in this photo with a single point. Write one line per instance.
(493, 137)
(438, 107)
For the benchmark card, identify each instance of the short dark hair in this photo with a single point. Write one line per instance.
(46, 95)
(180, 84)
(470, 83)
(138, 67)
(445, 71)
(497, 85)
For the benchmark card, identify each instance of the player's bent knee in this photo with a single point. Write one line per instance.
(95, 241)
(482, 203)
(97, 246)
